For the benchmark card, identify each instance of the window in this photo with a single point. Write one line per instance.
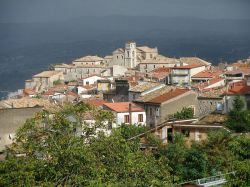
(134, 95)
(219, 106)
(126, 118)
(150, 111)
(128, 53)
(154, 66)
(117, 57)
(140, 117)
(157, 112)
(151, 56)
(185, 132)
(87, 82)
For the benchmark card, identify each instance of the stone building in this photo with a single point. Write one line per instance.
(158, 61)
(75, 72)
(181, 75)
(88, 60)
(142, 89)
(161, 104)
(131, 55)
(119, 93)
(44, 80)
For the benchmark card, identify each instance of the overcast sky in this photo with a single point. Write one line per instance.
(60, 10)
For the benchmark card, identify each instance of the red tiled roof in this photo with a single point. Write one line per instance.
(238, 88)
(72, 94)
(169, 95)
(246, 70)
(208, 74)
(29, 91)
(234, 72)
(160, 73)
(239, 64)
(123, 107)
(49, 92)
(208, 83)
(88, 87)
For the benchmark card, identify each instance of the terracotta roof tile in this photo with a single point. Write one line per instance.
(152, 95)
(204, 85)
(123, 107)
(144, 86)
(208, 74)
(89, 59)
(238, 88)
(29, 92)
(49, 92)
(246, 70)
(72, 94)
(194, 61)
(159, 73)
(169, 95)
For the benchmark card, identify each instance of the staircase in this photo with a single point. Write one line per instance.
(210, 181)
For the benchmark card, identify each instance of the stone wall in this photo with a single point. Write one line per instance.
(209, 105)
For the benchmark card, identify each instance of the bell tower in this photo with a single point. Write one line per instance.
(130, 54)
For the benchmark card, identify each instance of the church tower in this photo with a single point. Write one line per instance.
(130, 55)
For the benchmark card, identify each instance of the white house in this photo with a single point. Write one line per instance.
(181, 75)
(91, 80)
(126, 113)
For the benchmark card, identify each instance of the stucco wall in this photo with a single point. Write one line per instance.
(177, 104)
(157, 114)
(91, 80)
(11, 120)
(150, 67)
(135, 120)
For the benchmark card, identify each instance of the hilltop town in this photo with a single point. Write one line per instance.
(139, 86)
(104, 113)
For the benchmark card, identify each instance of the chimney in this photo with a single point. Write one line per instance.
(130, 113)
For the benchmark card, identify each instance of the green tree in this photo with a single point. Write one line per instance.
(57, 82)
(238, 103)
(238, 119)
(186, 113)
(56, 156)
(240, 147)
